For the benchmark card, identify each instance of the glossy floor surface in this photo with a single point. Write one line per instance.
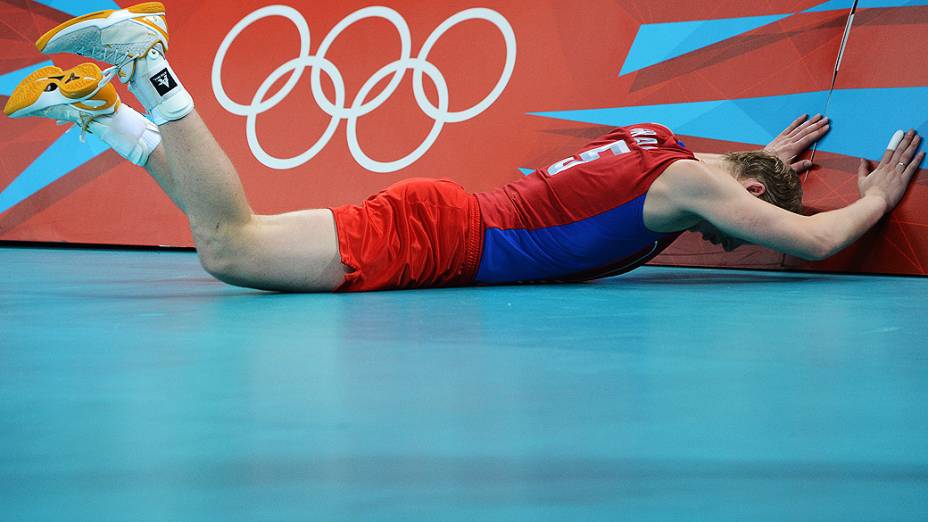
(134, 387)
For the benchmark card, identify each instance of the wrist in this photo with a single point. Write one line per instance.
(877, 199)
(775, 151)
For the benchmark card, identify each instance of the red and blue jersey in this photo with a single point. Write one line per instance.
(582, 217)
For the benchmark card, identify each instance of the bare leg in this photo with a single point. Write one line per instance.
(296, 251)
(159, 169)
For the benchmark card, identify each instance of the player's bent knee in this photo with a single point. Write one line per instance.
(223, 252)
(290, 252)
(217, 267)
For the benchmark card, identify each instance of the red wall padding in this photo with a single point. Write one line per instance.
(568, 56)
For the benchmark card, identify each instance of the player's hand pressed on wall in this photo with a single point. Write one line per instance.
(796, 138)
(892, 176)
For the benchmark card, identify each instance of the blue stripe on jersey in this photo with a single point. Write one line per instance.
(557, 252)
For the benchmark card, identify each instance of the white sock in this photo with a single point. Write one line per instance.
(129, 133)
(154, 83)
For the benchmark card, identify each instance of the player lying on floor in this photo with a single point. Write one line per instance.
(605, 210)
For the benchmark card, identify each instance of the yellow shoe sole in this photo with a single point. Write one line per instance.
(145, 8)
(74, 83)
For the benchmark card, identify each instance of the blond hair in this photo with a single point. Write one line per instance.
(783, 185)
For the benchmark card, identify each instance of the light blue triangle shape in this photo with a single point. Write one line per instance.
(525, 171)
(831, 5)
(676, 115)
(865, 119)
(64, 155)
(854, 132)
(656, 43)
(79, 7)
(864, 4)
(870, 4)
(9, 81)
(747, 120)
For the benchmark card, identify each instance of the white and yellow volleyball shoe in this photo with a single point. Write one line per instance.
(83, 95)
(77, 95)
(134, 40)
(113, 36)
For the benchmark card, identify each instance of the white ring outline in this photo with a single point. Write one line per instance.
(477, 13)
(265, 12)
(391, 166)
(406, 48)
(251, 120)
(337, 111)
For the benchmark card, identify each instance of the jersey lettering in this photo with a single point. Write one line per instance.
(617, 147)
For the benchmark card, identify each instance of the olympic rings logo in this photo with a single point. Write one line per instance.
(360, 106)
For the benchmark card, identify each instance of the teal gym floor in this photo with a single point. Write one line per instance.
(134, 387)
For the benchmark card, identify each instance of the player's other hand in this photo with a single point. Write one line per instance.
(891, 177)
(796, 138)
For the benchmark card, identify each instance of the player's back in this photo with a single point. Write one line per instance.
(581, 217)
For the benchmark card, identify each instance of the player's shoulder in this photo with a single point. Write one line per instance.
(686, 178)
(686, 172)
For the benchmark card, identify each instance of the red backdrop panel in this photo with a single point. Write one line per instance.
(566, 57)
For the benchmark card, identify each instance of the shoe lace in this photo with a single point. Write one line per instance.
(106, 54)
(84, 124)
(86, 118)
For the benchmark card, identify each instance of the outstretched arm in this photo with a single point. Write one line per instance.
(723, 202)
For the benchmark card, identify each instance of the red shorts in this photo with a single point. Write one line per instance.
(417, 233)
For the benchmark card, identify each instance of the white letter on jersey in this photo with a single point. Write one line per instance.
(617, 148)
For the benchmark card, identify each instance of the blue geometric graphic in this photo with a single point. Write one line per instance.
(831, 5)
(63, 156)
(866, 118)
(67, 152)
(863, 119)
(660, 42)
(9, 81)
(749, 120)
(656, 43)
(79, 7)
(865, 4)
(869, 4)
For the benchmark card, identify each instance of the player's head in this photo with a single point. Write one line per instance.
(766, 177)
(776, 182)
